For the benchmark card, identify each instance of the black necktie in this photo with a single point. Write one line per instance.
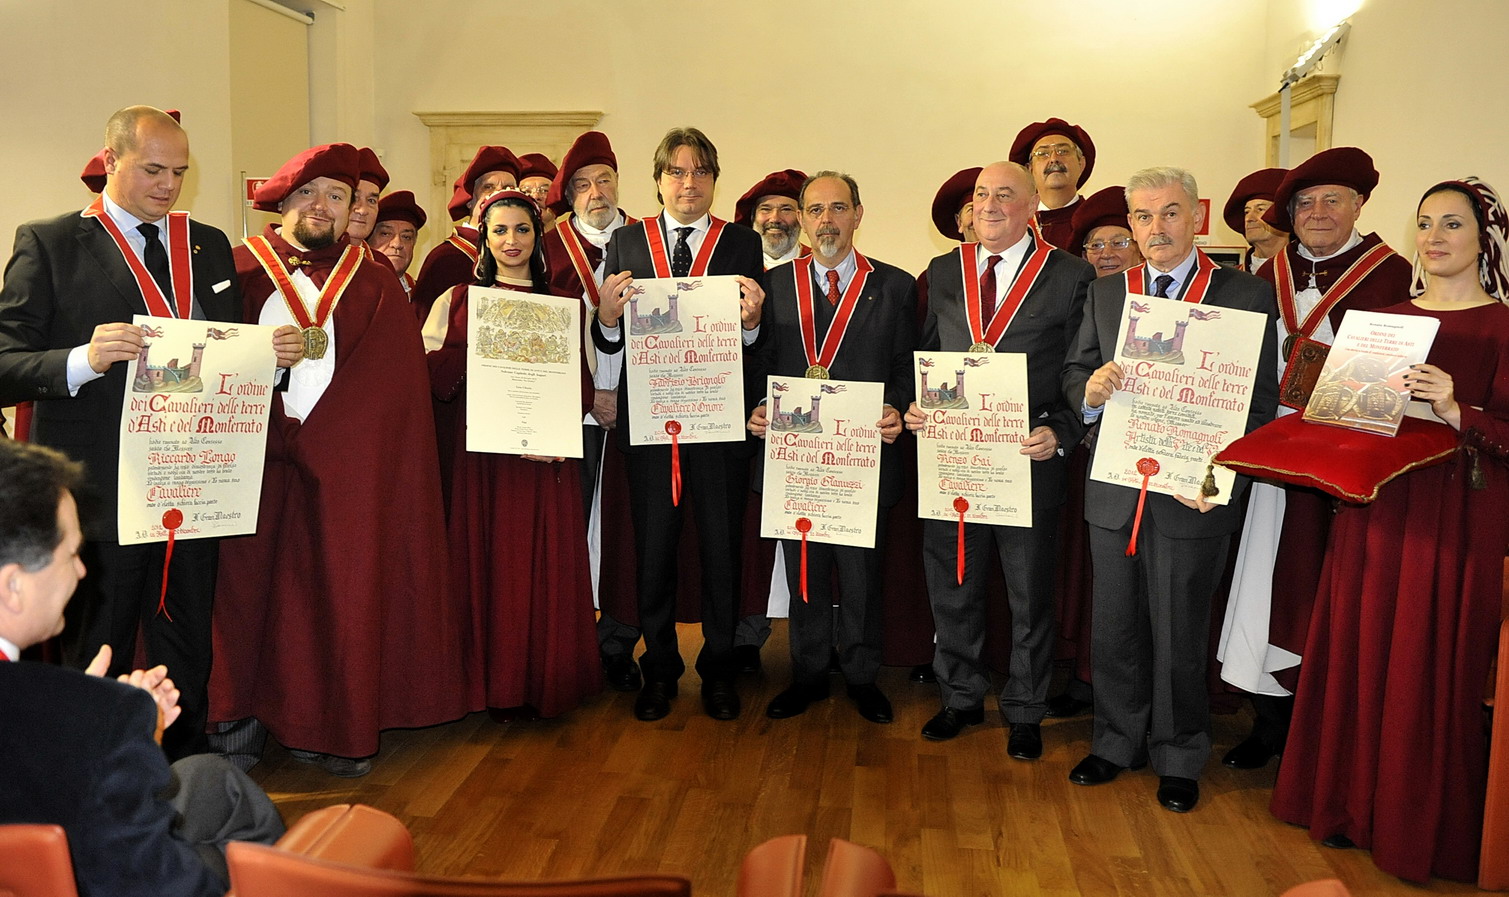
(681, 256)
(157, 260)
(1161, 283)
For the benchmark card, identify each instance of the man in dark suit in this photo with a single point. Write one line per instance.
(78, 750)
(716, 474)
(65, 337)
(1151, 622)
(865, 311)
(1030, 300)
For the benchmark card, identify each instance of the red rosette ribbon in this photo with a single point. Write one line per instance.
(674, 428)
(1148, 468)
(804, 526)
(172, 519)
(961, 504)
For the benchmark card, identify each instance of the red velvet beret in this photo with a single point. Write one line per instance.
(955, 192)
(1261, 184)
(400, 206)
(1101, 208)
(787, 183)
(591, 148)
(338, 161)
(371, 168)
(488, 158)
(1021, 148)
(508, 193)
(93, 174)
(1347, 166)
(536, 165)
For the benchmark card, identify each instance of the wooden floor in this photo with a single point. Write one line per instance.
(598, 793)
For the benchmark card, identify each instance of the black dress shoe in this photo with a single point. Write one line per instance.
(1066, 705)
(720, 699)
(1026, 741)
(1253, 753)
(1178, 794)
(1095, 770)
(795, 698)
(872, 703)
(621, 672)
(923, 673)
(950, 722)
(654, 700)
(1338, 842)
(746, 658)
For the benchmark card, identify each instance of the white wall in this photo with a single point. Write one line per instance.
(900, 94)
(67, 66)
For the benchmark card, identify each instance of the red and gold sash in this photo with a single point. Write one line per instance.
(1198, 286)
(801, 269)
(990, 332)
(330, 293)
(178, 263)
(578, 255)
(1283, 277)
(662, 262)
(465, 245)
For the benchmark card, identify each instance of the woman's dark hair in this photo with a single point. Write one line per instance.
(1474, 202)
(487, 266)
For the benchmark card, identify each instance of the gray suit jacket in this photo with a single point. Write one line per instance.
(1111, 506)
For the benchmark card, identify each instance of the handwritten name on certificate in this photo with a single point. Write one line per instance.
(194, 430)
(523, 373)
(822, 459)
(1187, 377)
(969, 453)
(685, 360)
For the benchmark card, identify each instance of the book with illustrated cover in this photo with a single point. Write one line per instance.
(1362, 384)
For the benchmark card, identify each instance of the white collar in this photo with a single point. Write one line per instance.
(1352, 243)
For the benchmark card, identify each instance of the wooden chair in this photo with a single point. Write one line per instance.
(854, 871)
(1328, 887)
(34, 862)
(774, 869)
(1493, 867)
(261, 871)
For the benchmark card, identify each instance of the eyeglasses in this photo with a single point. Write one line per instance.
(1060, 150)
(539, 192)
(679, 174)
(837, 208)
(1102, 245)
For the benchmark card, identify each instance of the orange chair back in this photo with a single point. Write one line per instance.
(854, 871)
(774, 869)
(1327, 887)
(34, 862)
(261, 871)
(353, 834)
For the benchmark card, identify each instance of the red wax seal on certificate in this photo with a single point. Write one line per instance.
(803, 525)
(1148, 467)
(172, 518)
(673, 427)
(961, 504)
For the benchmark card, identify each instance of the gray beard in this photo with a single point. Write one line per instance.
(600, 218)
(777, 243)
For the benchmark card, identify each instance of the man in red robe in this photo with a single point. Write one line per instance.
(1328, 269)
(452, 262)
(1250, 200)
(399, 221)
(322, 617)
(1061, 157)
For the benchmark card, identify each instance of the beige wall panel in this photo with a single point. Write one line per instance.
(269, 78)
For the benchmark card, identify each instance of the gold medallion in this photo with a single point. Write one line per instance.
(316, 341)
(982, 347)
(817, 372)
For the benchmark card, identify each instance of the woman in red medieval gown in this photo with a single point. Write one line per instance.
(517, 534)
(1387, 750)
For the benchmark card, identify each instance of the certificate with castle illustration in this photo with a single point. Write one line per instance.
(523, 373)
(193, 432)
(822, 460)
(684, 358)
(1188, 371)
(970, 464)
